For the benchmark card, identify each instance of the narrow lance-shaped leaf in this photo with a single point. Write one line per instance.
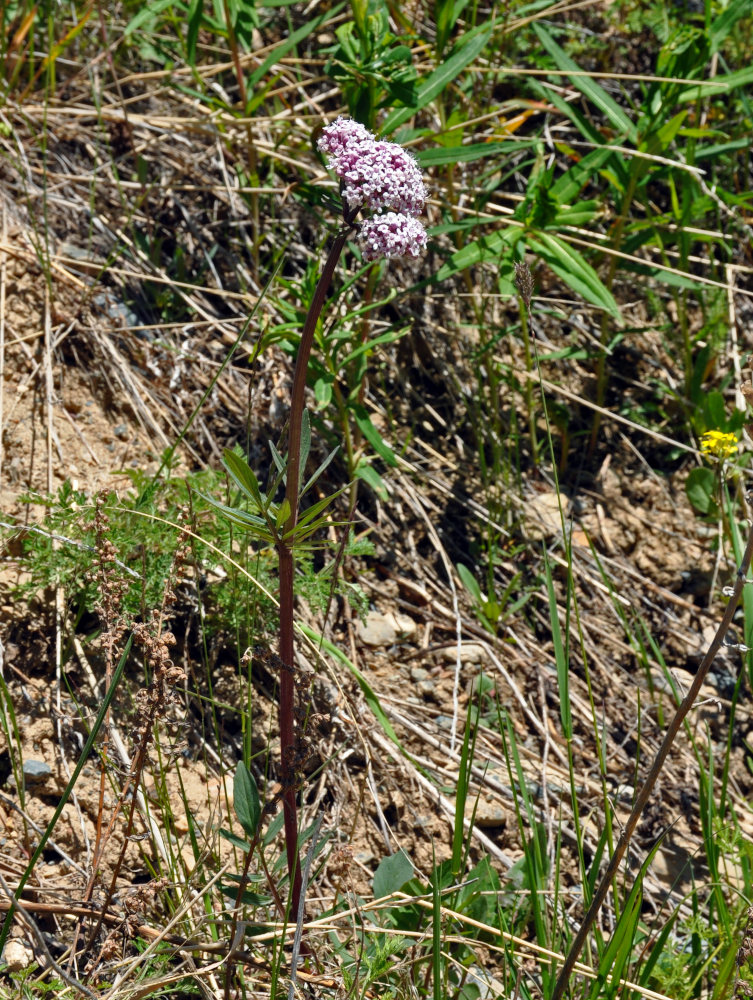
(305, 445)
(243, 477)
(373, 436)
(319, 471)
(569, 265)
(246, 799)
(586, 85)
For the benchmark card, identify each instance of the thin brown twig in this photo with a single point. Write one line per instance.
(648, 785)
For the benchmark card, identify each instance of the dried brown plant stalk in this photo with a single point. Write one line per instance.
(647, 787)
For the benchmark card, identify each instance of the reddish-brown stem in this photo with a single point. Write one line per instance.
(287, 569)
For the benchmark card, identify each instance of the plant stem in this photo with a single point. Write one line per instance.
(287, 570)
(648, 785)
(601, 371)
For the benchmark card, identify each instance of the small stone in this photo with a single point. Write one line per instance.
(385, 629)
(419, 674)
(489, 813)
(444, 721)
(121, 431)
(36, 771)
(18, 956)
(470, 652)
(542, 516)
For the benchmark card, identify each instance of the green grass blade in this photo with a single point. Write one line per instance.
(587, 86)
(463, 53)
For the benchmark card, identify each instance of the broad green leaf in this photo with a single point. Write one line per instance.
(587, 86)
(463, 53)
(323, 392)
(246, 799)
(577, 215)
(700, 487)
(248, 898)
(392, 873)
(239, 842)
(569, 265)
(571, 183)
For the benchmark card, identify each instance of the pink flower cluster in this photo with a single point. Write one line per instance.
(380, 177)
(392, 235)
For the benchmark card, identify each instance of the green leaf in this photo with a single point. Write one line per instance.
(313, 511)
(195, 16)
(246, 799)
(372, 478)
(147, 13)
(587, 86)
(369, 345)
(489, 247)
(392, 873)
(369, 696)
(251, 522)
(722, 25)
(569, 265)
(463, 53)
(323, 392)
(305, 445)
(236, 841)
(319, 471)
(283, 514)
(439, 156)
(373, 436)
(243, 477)
(699, 487)
(289, 42)
(470, 582)
(717, 87)
(571, 183)
(248, 898)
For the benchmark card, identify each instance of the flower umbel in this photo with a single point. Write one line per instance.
(391, 235)
(719, 443)
(380, 177)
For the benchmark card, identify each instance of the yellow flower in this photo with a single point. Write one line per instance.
(718, 443)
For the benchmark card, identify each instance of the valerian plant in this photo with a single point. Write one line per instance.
(381, 183)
